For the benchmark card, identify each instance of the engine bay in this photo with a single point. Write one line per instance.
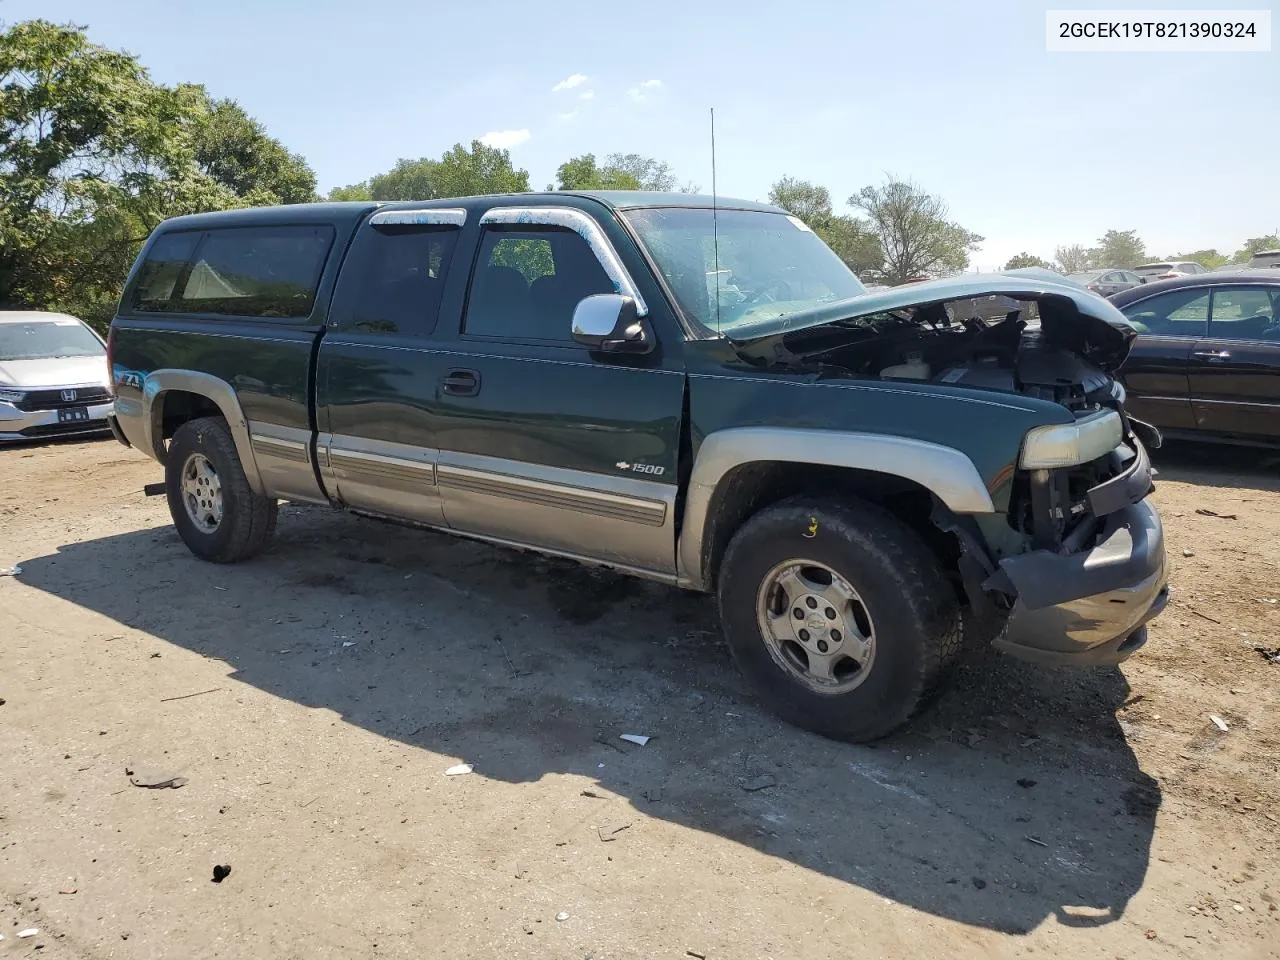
(938, 344)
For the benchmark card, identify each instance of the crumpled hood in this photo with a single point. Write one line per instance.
(54, 372)
(1070, 316)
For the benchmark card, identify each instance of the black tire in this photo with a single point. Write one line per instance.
(903, 589)
(248, 519)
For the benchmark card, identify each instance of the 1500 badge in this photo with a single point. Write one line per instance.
(650, 468)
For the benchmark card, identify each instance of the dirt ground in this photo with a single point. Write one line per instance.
(314, 698)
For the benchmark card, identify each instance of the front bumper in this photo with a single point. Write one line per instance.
(18, 424)
(1089, 608)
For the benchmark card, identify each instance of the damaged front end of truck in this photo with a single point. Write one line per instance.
(1071, 567)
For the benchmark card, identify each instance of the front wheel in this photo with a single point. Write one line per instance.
(838, 615)
(217, 514)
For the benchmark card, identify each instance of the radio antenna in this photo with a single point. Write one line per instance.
(715, 220)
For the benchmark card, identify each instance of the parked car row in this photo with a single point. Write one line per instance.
(1206, 362)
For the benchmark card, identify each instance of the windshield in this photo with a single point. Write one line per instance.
(1154, 268)
(1087, 277)
(42, 339)
(770, 264)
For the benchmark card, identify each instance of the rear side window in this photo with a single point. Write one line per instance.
(1244, 313)
(393, 280)
(166, 261)
(240, 271)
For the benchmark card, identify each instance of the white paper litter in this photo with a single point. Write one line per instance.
(1219, 722)
(10, 571)
(638, 739)
(348, 643)
(29, 932)
(458, 770)
(562, 916)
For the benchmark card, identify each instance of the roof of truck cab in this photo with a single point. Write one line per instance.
(294, 213)
(618, 199)
(348, 211)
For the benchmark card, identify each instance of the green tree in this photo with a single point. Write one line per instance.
(1209, 259)
(460, 172)
(1074, 259)
(1019, 260)
(583, 173)
(93, 154)
(649, 173)
(850, 238)
(1119, 248)
(618, 171)
(855, 244)
(235, 150)
(916, 236)
(1255, 245)
(806, 200)
(356, 191)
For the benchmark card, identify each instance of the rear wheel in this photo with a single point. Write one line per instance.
(217, 514)
(838, 615)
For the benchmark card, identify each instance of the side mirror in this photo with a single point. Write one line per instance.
(607, 323)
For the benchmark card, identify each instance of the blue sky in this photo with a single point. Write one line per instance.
(1030, 149)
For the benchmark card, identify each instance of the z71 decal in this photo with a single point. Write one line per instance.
(650, 468)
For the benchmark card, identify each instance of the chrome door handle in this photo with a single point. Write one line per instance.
(461, 383)
(1212, 355)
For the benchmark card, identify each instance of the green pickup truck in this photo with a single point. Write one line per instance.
(701, 394)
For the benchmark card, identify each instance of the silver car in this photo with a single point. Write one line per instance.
(53, 377)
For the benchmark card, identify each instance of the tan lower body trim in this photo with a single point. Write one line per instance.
(544, 493)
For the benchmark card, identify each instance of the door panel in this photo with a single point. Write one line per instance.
(378, 423)
(573, 455)
(1235, 371)
(378, 365)
(1155, 376)
(542, 443)
(1235, 386)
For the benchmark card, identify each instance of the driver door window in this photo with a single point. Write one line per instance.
(1178, 313)
(527, 283)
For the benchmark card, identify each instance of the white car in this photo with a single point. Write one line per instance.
(53, 377)
(1167, 270)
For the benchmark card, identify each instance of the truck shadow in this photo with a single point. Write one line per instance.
(1015, 799)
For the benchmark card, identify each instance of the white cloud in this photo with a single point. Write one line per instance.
(504, 139)
(637, 93)
(569, 82)
(566, 117)
(587, 95)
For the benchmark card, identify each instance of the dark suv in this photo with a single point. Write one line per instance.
(704, 396)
